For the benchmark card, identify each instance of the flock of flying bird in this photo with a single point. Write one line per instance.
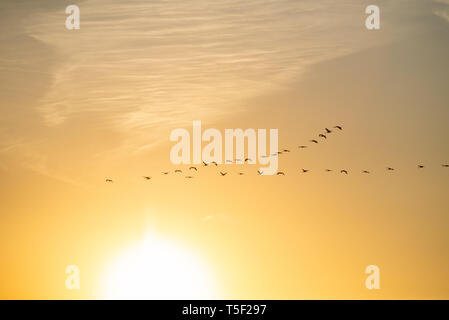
(321, 135)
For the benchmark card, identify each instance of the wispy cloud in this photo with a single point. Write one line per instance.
(442, 9)
(147, 64)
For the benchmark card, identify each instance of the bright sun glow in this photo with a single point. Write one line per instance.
(158, 269)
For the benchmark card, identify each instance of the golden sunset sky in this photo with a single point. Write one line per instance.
(80, 106)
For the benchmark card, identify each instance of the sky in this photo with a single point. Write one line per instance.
(84, 105)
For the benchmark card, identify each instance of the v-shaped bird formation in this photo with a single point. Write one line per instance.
(323, 136)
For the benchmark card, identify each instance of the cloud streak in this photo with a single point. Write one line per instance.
(160, 63)
(442, 9)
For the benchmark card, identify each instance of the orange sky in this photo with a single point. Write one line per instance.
(100, 102)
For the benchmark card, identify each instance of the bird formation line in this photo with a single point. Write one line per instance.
(323, 136)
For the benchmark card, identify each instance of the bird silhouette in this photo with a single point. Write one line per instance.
(146, 177)
(259, 172)
(420, 166)
(305, 170)
(445, 165)
(365, 171)
(390, 169)
(205, 164)
(344, 171)
(280, 173)
(322, 136)
(338, 127)
(189, 177)
(213, 162)
(327, 130)
(241, 173)
(286, 150)
(223, 173)
(248, 159)
(193, 168)
(109, 180)
(328, 170)
(314, 141)
(165, 173)
(178, 171)
(302, 147)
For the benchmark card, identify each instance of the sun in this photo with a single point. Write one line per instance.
(158, 269)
